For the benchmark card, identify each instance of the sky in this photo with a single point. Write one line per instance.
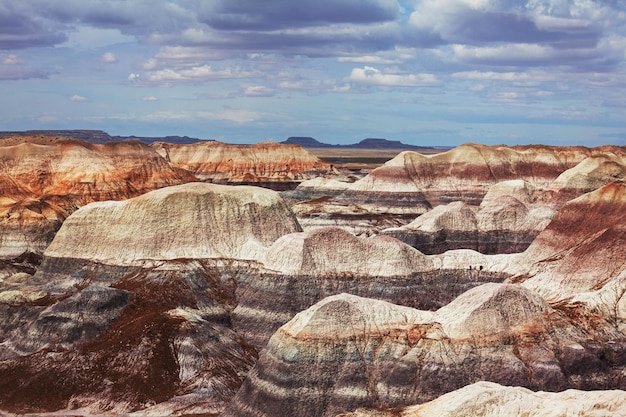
(426, 72)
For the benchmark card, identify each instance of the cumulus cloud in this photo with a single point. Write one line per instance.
(367, 59)
(109, 58)
(21, 27)
(77, 98)
(197, 74)
(258, 91)
(11, 59)
(12, 67)
(479, 22)
(531, 54)
(373, 76)
(149, 98)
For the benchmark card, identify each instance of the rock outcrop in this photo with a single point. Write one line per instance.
(261, 163)
(411, 184)
(43, 180)
(589, 175)
(131, 306)
(464, 173)
(300, 269)
(582, 249)
(347, 352)
(507, 221)
(152, 336)
(491, 399)
(192, 221)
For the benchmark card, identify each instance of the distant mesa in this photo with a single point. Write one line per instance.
(100, 136)
(369, 143)
(306, 141)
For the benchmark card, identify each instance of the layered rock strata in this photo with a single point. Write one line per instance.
(491, 399)
(152, 336)
(43, 180)
(589, 175)
(261, 163)
(507, 221)
(300, 269)
(347, 352)
(582, 249)
(192, 221)
(411, 184)
(131, 306)
(464, 173)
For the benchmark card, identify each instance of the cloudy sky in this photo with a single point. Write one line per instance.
(427, 72)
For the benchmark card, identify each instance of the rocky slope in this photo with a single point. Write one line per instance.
(192, 221)
(491, 399)
(198, 277)
(260, 163)
(467, 171)
(507, 221)
(582, 249)
(300, 269)
(347, 352)
(131, 306)
(411, 184)
(589, 175)
(44, 179)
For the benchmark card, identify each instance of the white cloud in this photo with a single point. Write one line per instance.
(258, 91)
(150, 98)
(133, 77)
(197, 74)
(109, 58)
(11, 59)
(189, 54)
(77, 98)
(373, 76)
(149, 64)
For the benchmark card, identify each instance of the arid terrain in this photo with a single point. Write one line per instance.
(210, 279)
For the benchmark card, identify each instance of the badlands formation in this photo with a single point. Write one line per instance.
(261, 163)
(45, 179)
(492, 283)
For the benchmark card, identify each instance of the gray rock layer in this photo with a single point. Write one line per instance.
(346, 352)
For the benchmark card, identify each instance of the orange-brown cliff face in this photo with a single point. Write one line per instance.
(43, 180)
(263, 162)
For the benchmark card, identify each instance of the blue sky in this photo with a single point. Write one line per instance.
(427, 72)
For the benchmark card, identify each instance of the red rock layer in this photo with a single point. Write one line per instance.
(583, 247)
(263, 162)
(43, 180)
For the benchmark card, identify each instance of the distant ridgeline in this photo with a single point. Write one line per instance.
(99, 136)
(369, 143)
